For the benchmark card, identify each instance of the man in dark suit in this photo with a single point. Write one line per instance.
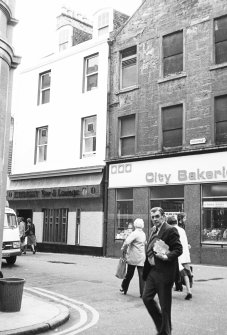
(160, 270)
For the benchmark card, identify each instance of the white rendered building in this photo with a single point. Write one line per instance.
(59, 146)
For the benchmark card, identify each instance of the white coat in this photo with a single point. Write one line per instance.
(185, 256)
(135, 245)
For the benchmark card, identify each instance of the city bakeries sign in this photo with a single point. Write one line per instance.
(166, 171)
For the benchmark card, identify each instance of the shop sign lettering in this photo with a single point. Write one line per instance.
(51, 193)
(197, 175)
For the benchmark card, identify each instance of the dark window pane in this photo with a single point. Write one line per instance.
(125, 193)
(45, 80)
(92, 65)
(129, 52)
(214, 190)
(128, 126)
(164, 192)
(45, 96)
(172, 138)
(92, 82)
(169, 205)
(128, 146)
(173, 44)
(221, 132)
(221, 108)
(220, 29)
(172, 117)
(173, 64)
(221, 52)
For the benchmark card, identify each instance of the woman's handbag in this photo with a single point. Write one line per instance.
(121, 268)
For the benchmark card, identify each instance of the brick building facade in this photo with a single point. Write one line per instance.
(168, 122)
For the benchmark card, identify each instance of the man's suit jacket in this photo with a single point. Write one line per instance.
(166, 268)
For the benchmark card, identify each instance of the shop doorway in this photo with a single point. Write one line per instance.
(25, 213)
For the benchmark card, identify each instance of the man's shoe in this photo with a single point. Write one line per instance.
(188, 296)
(122, 291)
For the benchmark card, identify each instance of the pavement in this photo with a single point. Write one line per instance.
(203, 315)
(35, 316)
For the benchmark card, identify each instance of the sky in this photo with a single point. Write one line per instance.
(33, 35)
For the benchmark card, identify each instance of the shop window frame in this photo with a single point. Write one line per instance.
(120, 230)
(213, 237)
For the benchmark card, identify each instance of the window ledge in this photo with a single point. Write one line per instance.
(172, 77)
(168, 149)
(128, 89)
(218, 66)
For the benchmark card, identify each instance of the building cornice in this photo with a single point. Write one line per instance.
(58, 173)
(166, 155)
(7, 54)
(7, 11)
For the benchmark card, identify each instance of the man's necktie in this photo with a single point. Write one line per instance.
(150, 251)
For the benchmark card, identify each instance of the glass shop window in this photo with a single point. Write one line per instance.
(124, 212)
(214, 214)
(170, 198)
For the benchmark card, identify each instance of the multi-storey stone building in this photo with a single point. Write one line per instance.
(60, 136)
(168, 122)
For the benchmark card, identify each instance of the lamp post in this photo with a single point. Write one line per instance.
(8, 62)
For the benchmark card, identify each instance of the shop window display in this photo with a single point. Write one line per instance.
(124, 213)
(170, 198)
(214, 218)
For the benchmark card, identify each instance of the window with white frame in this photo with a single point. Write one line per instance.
(129, 67)
(127, 135)
(41, 144)
(220, 36)
(89, 136)
(91, 72)
(63, 39)
(103, 24)
(44, 87)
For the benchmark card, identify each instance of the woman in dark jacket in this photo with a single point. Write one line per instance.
(30, 233)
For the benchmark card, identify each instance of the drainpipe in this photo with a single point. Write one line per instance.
(106, 173)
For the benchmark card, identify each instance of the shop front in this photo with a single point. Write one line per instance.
(67, 211)
(194, 184)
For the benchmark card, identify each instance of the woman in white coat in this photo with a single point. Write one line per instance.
(184, 259)
(134, 249)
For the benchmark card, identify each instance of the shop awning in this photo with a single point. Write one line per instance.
(56, 182)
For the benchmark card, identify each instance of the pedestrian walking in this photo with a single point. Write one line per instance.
(30, 232)
(184, 260)
(181, 218)
(134, 250)
(159, 272)
(22, 229)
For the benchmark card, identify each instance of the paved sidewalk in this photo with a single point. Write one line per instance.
(36, 315)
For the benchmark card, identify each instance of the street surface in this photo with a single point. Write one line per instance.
(88, 287)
